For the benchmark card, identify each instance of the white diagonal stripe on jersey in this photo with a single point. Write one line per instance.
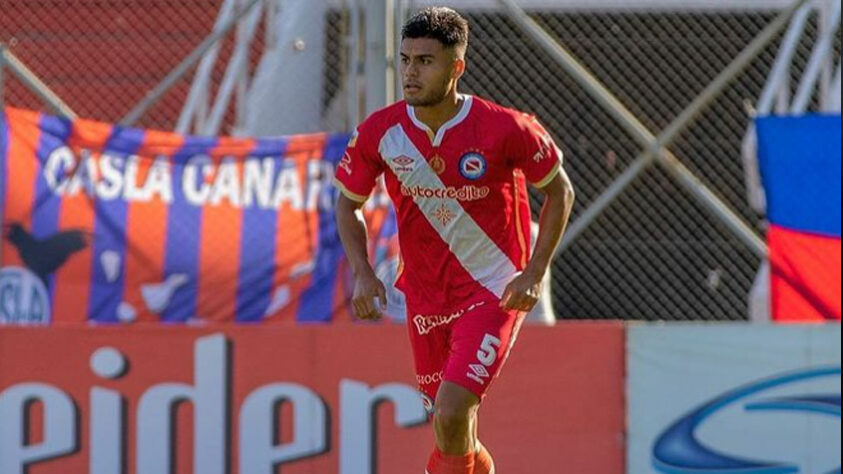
(477, 253)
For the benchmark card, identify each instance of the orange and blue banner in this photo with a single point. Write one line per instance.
(111, 224)
(800, 167)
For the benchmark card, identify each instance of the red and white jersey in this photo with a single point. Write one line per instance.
(460, 196)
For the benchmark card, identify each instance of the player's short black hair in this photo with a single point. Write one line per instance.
(440, 23)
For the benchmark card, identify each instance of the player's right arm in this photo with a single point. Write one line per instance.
(355, 177)
(367, 286)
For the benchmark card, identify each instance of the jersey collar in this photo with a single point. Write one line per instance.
(440, 134)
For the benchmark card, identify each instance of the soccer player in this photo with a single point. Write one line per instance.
(455, 168)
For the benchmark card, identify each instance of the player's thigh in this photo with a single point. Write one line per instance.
(479, 346)
(430, 354)
(455, 401)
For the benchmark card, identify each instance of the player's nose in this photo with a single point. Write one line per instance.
(410, 71)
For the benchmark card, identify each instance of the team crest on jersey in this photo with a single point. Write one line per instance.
(438, 164)
(472, 165)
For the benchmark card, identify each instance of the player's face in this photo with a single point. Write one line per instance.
(429, 71)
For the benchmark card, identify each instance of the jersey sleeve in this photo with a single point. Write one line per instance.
(358, 170)
(534, 151)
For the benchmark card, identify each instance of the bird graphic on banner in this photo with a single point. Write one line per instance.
(44, 256)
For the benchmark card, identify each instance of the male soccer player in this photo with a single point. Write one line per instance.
(455, 168)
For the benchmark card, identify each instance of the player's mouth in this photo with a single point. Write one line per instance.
(412, 88)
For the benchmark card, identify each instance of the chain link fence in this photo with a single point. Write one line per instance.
(103, 56)
(655, 254)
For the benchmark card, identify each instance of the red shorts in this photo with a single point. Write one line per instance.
(467, 347)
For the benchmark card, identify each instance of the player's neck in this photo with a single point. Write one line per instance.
(434, 116)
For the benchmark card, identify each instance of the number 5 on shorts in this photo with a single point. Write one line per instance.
(488, 353)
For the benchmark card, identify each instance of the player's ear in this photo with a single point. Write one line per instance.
(459, 68)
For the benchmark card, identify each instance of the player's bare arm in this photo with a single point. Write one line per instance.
(367, 286)
(523, 291)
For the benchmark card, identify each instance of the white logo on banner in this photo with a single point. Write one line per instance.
(23, 297)
(105, 416)
(270, 182)
(731, 398)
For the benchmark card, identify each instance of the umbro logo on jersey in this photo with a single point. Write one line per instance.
(472, 166)
(404, 164)
(404, 160)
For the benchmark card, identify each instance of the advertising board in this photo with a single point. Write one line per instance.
(291, 398)
(734, 398)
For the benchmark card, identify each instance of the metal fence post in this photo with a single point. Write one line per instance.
(353, 79)
(378, 85)
(197, 98)
(398, 18)
(2, 140)
(820, 59)
(33, 83)
(2, 105)
(2, 66)
(236, 69)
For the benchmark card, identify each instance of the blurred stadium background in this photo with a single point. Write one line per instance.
(655, 253)
(683, 240)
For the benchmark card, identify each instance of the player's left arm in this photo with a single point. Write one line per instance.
(538, 157)
(523, 291)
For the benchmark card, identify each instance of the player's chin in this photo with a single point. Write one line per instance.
(415, 98)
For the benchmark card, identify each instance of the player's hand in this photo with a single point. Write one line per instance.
(367, 288)
(523, 292)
